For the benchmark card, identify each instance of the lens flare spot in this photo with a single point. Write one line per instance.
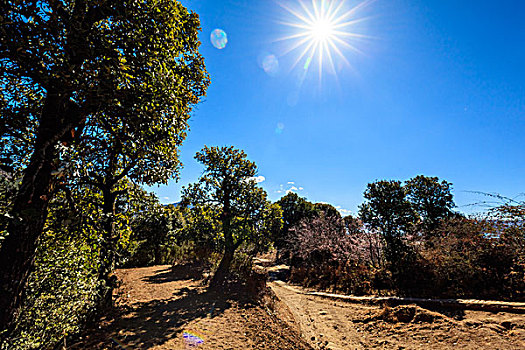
(307, 63)
(218, 38)
(270, 64)
(279, 129)
(192, 340)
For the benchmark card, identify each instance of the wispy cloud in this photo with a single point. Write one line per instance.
(344, 212)
(257, 179)
(289, 187)
(341, 210)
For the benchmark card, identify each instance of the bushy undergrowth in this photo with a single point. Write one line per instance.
(60, 294)
(462, 258)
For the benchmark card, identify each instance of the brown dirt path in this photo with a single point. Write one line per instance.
(159, 308)
(329, 324)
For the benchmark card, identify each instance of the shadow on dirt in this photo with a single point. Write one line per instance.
(177, 273)
(144, 325)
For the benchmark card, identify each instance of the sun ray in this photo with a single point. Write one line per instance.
(349, 46)
(334, 13)
(351, 22)
(320, 62)
(329, 54)
(308, 47)
(338, 51)
(297, 14)
(316, 11)
(353, 10)
(353, 35)
(307, 11)
(296, 45)
(294, 36)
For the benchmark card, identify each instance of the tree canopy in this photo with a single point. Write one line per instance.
(431, 199)
(111, 82)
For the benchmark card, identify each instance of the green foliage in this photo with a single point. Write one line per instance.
(388, 211)
(327, 210)
(472, 258)
(227, 193)
(294, 210)
(92, 93)
(60, 294)
(431, 199)
(154, 231)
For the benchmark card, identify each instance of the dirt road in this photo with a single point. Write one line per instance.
(338, 325)
(163, 308)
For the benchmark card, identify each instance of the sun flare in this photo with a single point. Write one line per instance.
(323, 30)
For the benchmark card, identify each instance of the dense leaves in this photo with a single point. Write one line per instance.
(431, 199)
(93, 94)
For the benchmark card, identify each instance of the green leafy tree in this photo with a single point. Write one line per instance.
(327, 210)
(387, 210)
(153, 230)
(133, 66)
(199, 233)
(61, 290)
(227, 188)
(431, 199)
(294, 210)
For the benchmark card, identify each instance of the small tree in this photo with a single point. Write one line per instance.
(365, 238)
(321, 239)
(431, 199)
(327, 210)
(228, 188)
(388, 211)
(294, 210)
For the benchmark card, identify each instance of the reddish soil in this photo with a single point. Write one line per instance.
(330, 324)
(161, 308)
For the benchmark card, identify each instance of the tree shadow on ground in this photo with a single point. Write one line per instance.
(144, 325)
(176, 273)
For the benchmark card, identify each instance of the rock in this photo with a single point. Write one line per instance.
(404, 313)
(426, 316)
(472, 323)
(496, 328)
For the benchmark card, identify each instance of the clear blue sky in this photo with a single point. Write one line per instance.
(438, 89)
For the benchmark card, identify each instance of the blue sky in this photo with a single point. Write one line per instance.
(438, 88)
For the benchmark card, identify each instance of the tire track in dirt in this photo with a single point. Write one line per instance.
(322, 322)
(335, 325)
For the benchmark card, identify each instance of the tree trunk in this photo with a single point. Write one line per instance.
(229, 248)
(30, 210)
(107, 250)
(223, 270)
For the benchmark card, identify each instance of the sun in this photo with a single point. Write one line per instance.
(323, 30)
